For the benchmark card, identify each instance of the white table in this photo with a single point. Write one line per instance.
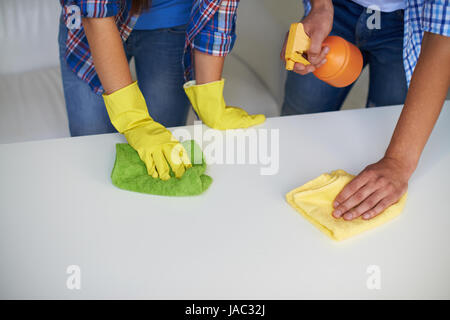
(240, 239)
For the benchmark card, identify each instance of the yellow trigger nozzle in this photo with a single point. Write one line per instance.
(297, 44)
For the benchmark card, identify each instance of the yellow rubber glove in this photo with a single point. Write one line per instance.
(207, 100)
(155, 145)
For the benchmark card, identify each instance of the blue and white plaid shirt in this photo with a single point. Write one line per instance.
(420, 16)
(211, 30)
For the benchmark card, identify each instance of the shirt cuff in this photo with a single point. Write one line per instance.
(96, 8)
(215, 43)
(436, 17)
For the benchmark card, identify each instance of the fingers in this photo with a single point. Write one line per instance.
(380, 185)
(180, 154)
(315, 47)
(380, 207)
(173, 155)
(161, 165)
(158, 162)
(317, 36)
(185, 158)
(366, 197)
(316, 62)
(316, 52)
(318, 59)
(302, 69)
(368, 204)
(350, 189)
(344, 208)
(151, 168)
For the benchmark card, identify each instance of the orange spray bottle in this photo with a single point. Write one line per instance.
(344, 60)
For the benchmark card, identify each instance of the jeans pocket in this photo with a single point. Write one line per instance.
(178, 29)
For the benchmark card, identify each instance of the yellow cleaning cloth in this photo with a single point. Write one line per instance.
(314, 200)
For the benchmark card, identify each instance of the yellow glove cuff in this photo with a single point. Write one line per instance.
(193, 83)
(127, 108)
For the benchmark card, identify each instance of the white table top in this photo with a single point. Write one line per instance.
(240, 239)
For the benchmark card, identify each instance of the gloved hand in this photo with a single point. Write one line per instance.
(207, 100)
(155, 145)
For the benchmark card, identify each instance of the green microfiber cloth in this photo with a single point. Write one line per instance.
(130, 173)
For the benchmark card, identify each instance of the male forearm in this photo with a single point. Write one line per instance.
(383, 183)
(108, 53)
(321, 3)
(426, 95)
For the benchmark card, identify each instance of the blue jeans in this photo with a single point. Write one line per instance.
(158, 56)
(382, 50)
